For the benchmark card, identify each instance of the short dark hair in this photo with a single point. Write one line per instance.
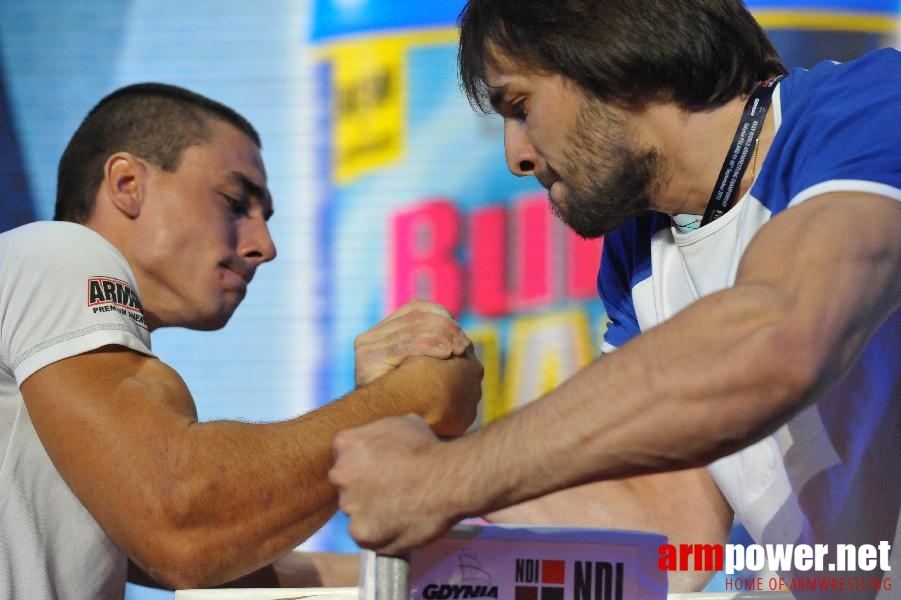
(696, 53)
(154, 121)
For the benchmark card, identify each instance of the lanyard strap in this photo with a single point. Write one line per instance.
(737, 159)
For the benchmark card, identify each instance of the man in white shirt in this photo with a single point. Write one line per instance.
(162, 212)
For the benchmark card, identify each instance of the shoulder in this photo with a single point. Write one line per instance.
(52, 235)
(837, 129)
(65, 290)
(862, 78)
(60, 268)
(59, 247)
(857, 96)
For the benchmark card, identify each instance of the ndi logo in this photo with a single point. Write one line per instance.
(591, 580)
(549, 577)
(598, 580)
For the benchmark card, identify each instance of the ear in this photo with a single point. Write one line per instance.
(124, 179)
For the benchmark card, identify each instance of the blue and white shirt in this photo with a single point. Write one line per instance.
(831, 474)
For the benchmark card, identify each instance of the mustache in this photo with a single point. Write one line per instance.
(547, 177)
(245, 271)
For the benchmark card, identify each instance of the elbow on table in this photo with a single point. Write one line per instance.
(174, 544)
(181, 564)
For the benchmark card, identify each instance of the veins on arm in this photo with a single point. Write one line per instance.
(799, 296)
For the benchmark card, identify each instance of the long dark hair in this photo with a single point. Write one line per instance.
(696, 53)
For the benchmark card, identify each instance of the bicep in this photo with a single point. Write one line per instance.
(833, 266)
(106, 419)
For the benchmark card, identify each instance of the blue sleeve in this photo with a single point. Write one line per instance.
(615, 289)
(841, 124)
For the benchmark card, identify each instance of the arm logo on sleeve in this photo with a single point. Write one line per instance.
(107, 294)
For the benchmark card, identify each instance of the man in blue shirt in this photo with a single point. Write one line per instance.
(751, 274)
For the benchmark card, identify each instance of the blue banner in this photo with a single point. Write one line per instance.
(335, 18)
(15, 199)
(865, 6)
(332, 18)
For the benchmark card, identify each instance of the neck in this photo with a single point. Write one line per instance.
(693, 147)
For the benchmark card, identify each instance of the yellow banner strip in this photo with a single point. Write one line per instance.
(413, 37)
(828, 21)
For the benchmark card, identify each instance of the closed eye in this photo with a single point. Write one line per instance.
(518, 110)
(238, 206)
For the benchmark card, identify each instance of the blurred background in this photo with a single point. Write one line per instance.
(386, 184)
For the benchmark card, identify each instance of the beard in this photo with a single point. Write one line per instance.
(608, 180)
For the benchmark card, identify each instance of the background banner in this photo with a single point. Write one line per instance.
(386, 184)
(15, 200)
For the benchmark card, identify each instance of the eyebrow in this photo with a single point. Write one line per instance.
(253, 189)
(496, 97)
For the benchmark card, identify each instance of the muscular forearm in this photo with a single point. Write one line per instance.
(198, 504)
(648, 407)
(248, 492)
(624, 415)
(719, 375)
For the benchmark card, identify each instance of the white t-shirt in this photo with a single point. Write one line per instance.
(64, 290)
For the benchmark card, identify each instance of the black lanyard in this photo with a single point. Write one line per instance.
(742, 144)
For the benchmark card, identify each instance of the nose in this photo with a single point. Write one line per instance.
(518, 149)
(257, 244)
